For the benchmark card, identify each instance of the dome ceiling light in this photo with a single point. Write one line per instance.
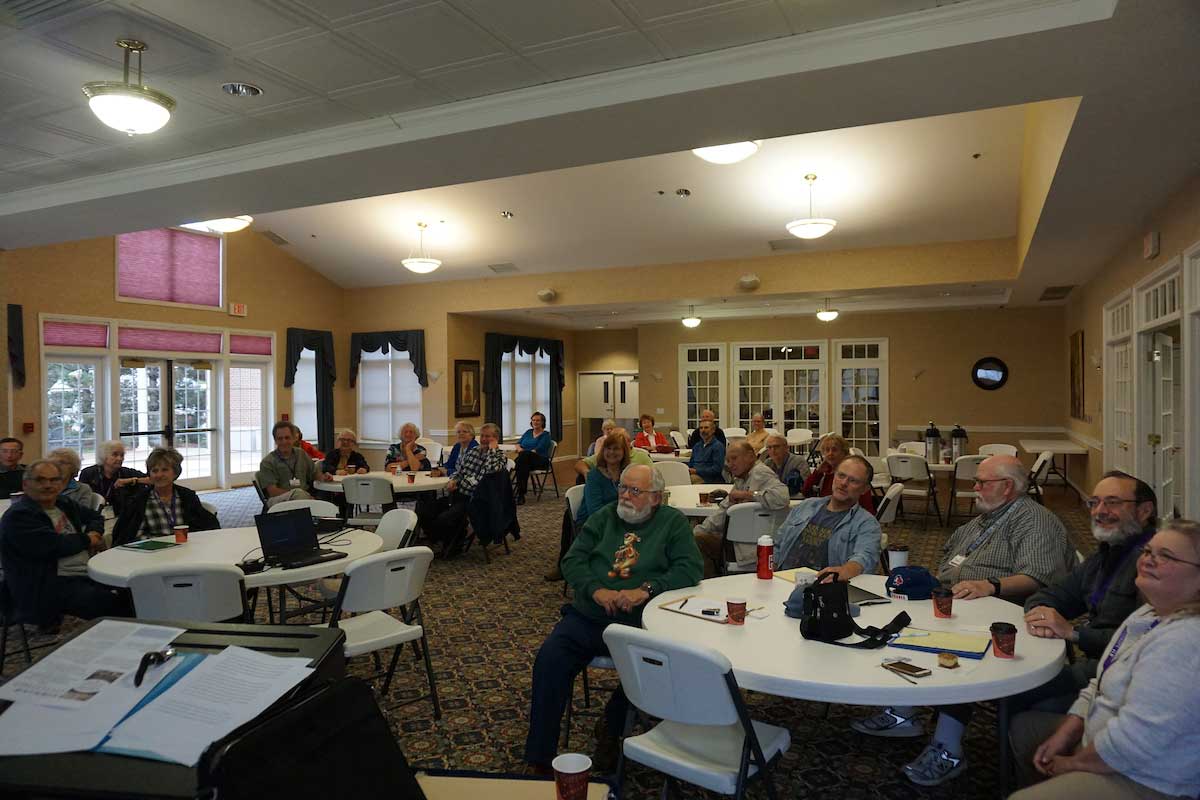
(827, 314)
(222, 225)
(691, 320)
(130, 108)
(810, 227)
(421, 264)
(728, 153)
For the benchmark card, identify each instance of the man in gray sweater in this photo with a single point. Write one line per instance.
(753, 482)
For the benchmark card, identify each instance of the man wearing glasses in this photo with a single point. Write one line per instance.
(626, 553)
(1014, 548)
(834, 533)
(11, 467)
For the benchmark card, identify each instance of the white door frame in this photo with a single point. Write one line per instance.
(722, 367)
(1189, 482)
(1157, 303)
(1118, 327)
(882, 363)
(580, 444)
(778, 366)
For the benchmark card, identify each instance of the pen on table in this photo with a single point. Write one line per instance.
(684, 603)
(910, 635)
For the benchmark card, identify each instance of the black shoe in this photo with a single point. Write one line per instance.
(604, 758)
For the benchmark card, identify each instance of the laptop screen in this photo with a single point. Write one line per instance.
(286, 533)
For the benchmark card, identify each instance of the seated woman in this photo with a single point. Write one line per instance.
(344, 459)
(648, 438)
(757, 436)
(465, 433)
(601, 486)
(606, 427)
(156, 509)
(406, 455)
(67, 461)
(110, 477)
(1134, 731)
(533, 452)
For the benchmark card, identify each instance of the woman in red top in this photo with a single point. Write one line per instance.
(819, 482)
(648, 438)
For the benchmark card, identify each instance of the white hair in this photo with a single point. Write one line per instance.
(106, 448)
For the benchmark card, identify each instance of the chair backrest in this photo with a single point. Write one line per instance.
(318, 508)
(675, 473)
(396, 527)
(1041, 468)
(258, 490)
(748, 521)
(734, 432)
(433, 450)
(912, 448)
(965, 467)
(203, 592)
(680, 439)
(385, 580)
(904, 467)
(210, 508)
(553, 453)
(799, 435)
(857, 451)
(667, 678)
(367, 490)
(95, 501)
(890, 504)
(574, 499)
(997, 450)
(879, 465)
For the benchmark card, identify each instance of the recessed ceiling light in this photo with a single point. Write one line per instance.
(507, 214)
(728, 153)
(240, 89)
(683, 193)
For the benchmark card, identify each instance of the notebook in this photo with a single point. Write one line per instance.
(965, 645)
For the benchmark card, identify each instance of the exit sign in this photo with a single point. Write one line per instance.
(237, 309)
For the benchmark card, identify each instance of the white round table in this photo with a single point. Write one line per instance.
(686, 499)
(400, 484)
(683, 456)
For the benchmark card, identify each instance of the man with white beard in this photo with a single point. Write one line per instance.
(627, 552)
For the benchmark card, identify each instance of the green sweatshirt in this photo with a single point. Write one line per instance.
(664, 548)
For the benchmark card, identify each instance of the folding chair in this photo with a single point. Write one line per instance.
(262, 495)
(397, 528)
(706, 736)
(1039, 474)
(965, 468)
(882, 479)
(998, 450)
(885, 514)
(680, 439)
(574, 500)
(364, 491)
(203, 592)
(674, 473)
(733, 433)
(318, 508)
(538, 477)
(599, 662)
(7, 620)
(914, 469)
(745, 523)
(433, 450)
(912, 448)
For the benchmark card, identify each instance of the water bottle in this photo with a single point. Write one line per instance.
(766, 557)
(958, 441)
(933, 442)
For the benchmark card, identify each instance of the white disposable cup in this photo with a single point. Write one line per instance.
(897, 558)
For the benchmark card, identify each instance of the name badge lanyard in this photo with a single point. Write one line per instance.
(985, 532)
(1111, 658)
(291, 467)
(168, 510)
(1102, 585)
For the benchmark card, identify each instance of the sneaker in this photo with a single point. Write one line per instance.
(934, 766)
(890, 724)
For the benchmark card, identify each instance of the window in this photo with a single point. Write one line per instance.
(247, 417)
(861, 406)
(701, 382)
(170, 266)
(525, 387)
(389, 395)
(783, 381)
(72, 389)
(304, 395)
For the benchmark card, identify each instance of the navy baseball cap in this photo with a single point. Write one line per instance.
(911, 583)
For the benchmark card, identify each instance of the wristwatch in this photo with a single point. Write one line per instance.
(647, 587)
(995, 582)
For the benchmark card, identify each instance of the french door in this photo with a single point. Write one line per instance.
(169, 403)
(249, 420)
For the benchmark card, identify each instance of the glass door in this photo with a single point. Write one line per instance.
(169, 404)
(192, 431)
(248, 423)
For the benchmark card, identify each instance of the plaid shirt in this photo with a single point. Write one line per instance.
(1023, 538)
(475, 465)
(157, 521)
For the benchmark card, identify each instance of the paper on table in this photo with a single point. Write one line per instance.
(791, 575)
(88, 667)
(222, 693)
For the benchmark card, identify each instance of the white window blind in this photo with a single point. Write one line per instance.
(389, 395)
(170, 266)
(525, 387)
(304, 395)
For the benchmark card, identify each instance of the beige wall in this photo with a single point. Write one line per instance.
(604, 350)
(1047, 125)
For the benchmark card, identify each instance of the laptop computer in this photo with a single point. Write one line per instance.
(289, 539)
(861, 597)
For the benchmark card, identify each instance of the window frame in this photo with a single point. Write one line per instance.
(373, 357)
(721, 365)
(509, 424)
(881, 362)
(820, 363)
(221, 309)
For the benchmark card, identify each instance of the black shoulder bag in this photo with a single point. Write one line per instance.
(826, 617)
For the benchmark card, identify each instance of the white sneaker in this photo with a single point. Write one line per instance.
(889, 724)
(934, 766)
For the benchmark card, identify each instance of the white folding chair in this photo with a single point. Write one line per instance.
(706, 736)
(857, 451)
(364, 491)
(965, 468)
(882, 479)
(745, 523)
(889, 505)
(674, 473)
(1039, 474)
(202, 592)
(538, 477)
(318, 508)
(209, 507)
(913, 471)
(912, 448)
(433, 450)
(397, 528)
(680, 439)
(392, 579)
(997, 450)
(735, 432)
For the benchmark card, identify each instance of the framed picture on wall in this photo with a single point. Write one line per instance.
(1077, 410)
(466, 389)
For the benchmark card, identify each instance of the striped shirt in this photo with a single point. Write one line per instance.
(476, 464)
(1022, 538)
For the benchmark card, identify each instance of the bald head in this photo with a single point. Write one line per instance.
(1000, 479)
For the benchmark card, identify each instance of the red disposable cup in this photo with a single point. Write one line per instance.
(736, 610)
(704, 498)
(1004, 639)
(571, 776)
(412, 477)
(943, 602)
(181, 532)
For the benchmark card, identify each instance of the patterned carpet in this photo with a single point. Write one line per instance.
(486, 622)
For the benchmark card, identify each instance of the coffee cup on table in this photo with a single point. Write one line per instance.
(897, 555)
(1004, 639)
(412, 477)
(735, 610)
(704, 498)
(181, 532)
(571, 776)
(943, 602)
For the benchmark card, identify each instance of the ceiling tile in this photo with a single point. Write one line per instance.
(95, 34)
(12, 181)
(534, 23)
(79, 120)
(325, 62)
(234, 133)
(654, 10)
(596, 55)
(744, 25)
(57, 74)
(12, 154)
(57, 170)
(36, 137)
(339, 10)
(429, 37)
(306, 116)
(233, 23)
(391, 97)
(204, 80)
(816, 15)
(491, 77)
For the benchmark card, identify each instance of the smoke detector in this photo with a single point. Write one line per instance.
(546, 295)
(749, 282)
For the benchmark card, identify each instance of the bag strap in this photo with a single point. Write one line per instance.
(877, 637)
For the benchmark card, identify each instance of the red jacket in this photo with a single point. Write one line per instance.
(643, 441)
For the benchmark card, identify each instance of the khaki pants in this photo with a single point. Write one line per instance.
(294, 494)
(1028, 731)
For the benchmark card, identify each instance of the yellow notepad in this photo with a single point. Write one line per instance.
(789, 575)
(967, 645)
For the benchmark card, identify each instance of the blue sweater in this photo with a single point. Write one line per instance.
(538, 444)
(598, 491)
(708, 460)
(455, 452)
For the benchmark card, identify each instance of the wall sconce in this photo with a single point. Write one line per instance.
(546, 295)
(1096, 360)
(434, 375)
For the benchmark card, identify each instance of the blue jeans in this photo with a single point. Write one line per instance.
(574, 642)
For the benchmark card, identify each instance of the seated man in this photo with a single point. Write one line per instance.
(756, 437)
(45, 541)
(626, 553)
(636, 456)
(287, 473)
(835, 533)
(788, 467)
(820, 482)
(1014, 548)
(444, 519)
(708, 456)
(752, 483)
(11, 468)
(706, 414)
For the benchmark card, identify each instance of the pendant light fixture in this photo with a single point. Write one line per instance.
(222, 225)
(810, 227)
(691, 320)
(827, 314)
(421, 264)
(131, 108)
(728, 153)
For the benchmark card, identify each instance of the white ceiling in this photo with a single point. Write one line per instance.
(892, 184)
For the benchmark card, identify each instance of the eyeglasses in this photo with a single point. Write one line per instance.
(983, 481)
(850, 479)
(633, 491)
(44, 479)
(1093, 503)
(1164, 556)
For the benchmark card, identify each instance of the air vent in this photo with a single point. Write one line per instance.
(786, 244)
(501, 269)
(1052, 293)
(275, 237)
